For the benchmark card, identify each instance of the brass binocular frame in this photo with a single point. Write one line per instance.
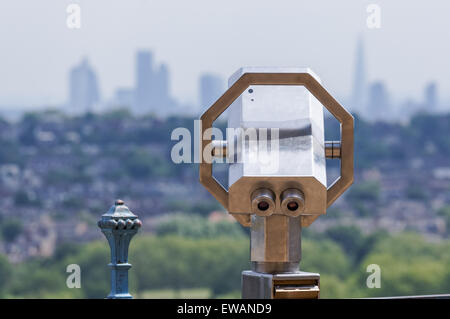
(342, 149)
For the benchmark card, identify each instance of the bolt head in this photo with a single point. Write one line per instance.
(119, 202)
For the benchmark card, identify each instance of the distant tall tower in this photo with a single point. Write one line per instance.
(431, 99)
(152, 86)
(161, 98)
(379, 105)
(359, 93)
(83, 87)
(144, 81)
(211, 88)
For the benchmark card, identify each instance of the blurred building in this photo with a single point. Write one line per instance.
(431, 98)
(152, 86)
(144, 81)
(211, 88)
(124, 97)
(379, 104)
(83, 87)
(163, 101)
(359, 90)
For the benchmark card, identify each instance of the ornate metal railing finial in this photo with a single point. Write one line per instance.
(119, 225)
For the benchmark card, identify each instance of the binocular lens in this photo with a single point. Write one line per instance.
(263, 205)
(292, 206)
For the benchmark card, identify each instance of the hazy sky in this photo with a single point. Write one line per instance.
(37, 49)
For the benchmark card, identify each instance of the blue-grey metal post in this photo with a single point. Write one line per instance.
(119, 225)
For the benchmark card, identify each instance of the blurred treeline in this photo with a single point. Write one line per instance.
(375, 142)
(191, 252)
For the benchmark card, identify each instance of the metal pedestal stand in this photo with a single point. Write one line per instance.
(275, 254)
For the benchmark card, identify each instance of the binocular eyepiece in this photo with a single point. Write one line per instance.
(263, 202)
(292, 202)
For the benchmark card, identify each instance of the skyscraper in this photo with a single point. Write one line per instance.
(359, 91)
(431, 99)
(161, 97)
(211, 88)
(144, 80)
(379, 105)
(83, 87)
(152, 86)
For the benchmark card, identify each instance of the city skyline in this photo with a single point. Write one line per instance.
(359, 89)
(373, 99)
(151, 92)
(152, 85)
(320, 35)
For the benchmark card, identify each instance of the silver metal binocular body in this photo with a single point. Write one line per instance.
(277, 169)
(277, 154)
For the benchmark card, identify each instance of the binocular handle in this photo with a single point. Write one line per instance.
(315, 88)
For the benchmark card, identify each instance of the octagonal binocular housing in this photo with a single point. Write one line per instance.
(277, 150)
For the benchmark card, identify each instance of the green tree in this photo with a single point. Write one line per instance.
(324, 256)
(409, 266)
(142, 164)
(93, 259)
(350, 238)
(195, 226)
(415, 192)
(177, 262)
(34, 280)
(444, 212)
(5, 274)
(365, 191)
(11, 229)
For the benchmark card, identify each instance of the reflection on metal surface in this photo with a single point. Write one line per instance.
(301, 291)
(275, 243)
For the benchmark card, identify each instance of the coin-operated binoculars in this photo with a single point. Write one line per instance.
(277, 170)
